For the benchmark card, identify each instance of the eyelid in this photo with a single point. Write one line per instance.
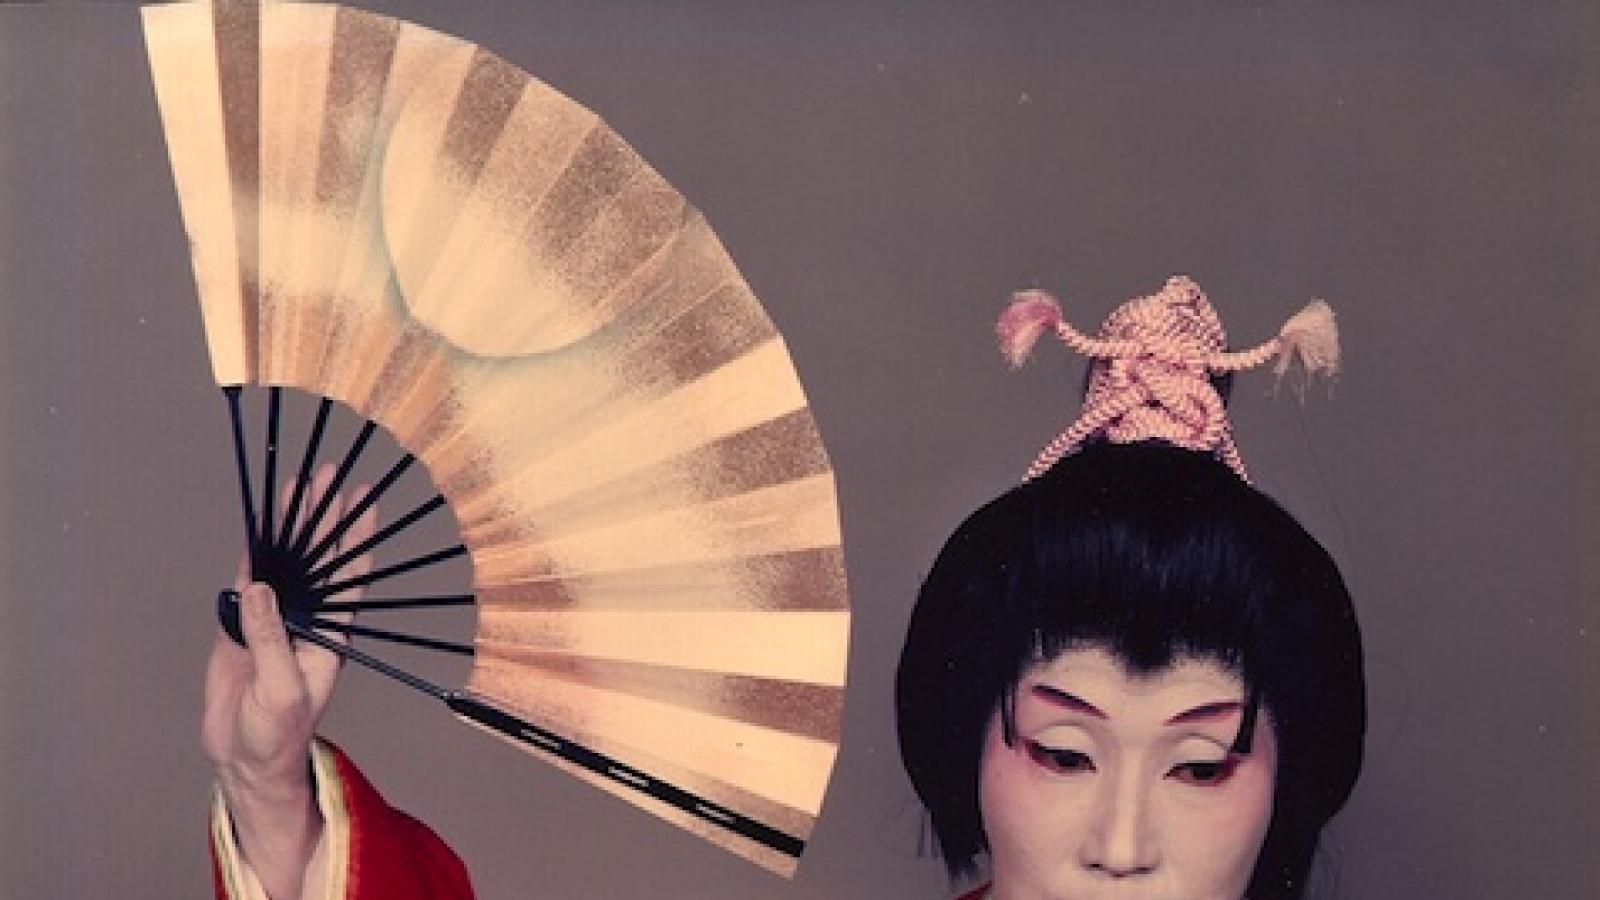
(1205, 773)
(1060, 760)
(1198, 744)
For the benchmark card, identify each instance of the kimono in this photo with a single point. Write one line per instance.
(369, 850)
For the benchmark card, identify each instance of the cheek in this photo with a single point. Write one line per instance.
(1030, 819)
(1234, 816)
(1216, 839)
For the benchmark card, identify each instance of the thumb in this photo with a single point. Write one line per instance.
(276, 672)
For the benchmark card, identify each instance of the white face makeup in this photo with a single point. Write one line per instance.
(1124, 787)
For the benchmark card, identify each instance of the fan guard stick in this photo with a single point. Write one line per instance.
(482, 713)
(242, 463)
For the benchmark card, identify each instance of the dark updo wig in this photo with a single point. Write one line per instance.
(1153, 553)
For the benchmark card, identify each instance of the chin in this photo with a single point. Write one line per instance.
(1076, 887)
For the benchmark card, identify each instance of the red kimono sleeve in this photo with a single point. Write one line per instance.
(370, 850)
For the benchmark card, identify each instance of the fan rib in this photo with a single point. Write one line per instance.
(350, 515)
(419, 562)
(396, 637)
(242, 464)
(302, 481)
(389, 531)
(346, 651)
(343, 472)
(269, 474)
(419, 602)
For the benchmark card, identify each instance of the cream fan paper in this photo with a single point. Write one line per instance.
(400, 221)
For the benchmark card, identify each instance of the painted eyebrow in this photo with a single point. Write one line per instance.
(1063, 699)
(1206, 711)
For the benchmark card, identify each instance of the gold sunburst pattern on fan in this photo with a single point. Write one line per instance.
(400, 221)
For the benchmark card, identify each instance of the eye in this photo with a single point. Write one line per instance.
(1204, 773)
(1059, 759)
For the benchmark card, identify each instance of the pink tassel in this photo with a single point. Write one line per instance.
(1029, 315)
(1312, 338)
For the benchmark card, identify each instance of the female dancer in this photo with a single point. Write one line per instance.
(1135, 675)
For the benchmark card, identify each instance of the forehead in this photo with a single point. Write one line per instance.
(1100, 678)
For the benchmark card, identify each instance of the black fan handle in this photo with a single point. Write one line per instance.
(522, 731)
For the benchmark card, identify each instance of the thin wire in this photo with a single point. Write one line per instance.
(1317, 468)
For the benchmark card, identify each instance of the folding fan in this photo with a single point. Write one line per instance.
(399, 222)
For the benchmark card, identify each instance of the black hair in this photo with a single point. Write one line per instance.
(1154, 553)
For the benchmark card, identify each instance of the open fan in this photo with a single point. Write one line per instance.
(399, 222)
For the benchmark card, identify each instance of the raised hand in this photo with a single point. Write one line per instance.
(262, 705)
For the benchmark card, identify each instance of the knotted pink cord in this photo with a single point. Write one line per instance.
(1153, 362)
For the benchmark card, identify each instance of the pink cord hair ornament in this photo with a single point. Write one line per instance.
(1153, 361)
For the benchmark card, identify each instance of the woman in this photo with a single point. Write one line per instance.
(292, 817)
(1132, 676)
(1135, 675)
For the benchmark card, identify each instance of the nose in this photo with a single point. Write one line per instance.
(1121, 842)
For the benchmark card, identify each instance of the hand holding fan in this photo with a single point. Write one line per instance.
(398, 222)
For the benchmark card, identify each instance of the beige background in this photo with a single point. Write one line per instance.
(885, 173)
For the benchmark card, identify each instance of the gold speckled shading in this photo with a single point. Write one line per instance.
(807, 710)
(237, 32)
(796, 579)
(410, 225)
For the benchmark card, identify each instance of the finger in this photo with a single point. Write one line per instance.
(285, 494)
(320, 485)
(321, 481)
(241, 575)
(362, 528)
(228, 670)
(320, 665)
(365, 526)
(228, 661)
(277, 678)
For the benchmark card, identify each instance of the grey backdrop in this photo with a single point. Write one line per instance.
(885, 174)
